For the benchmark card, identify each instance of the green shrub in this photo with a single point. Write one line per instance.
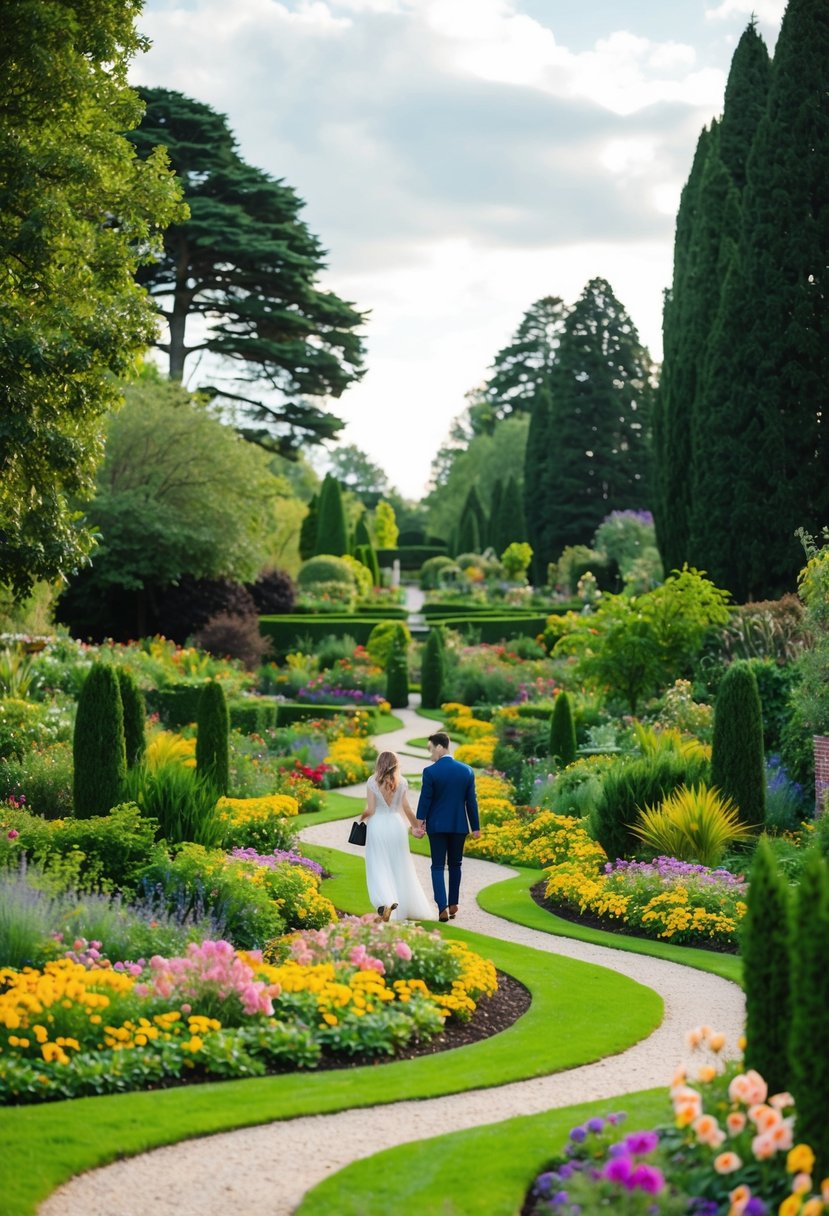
(24, 725)
(332, 529)
(808, 1057)
(764, 945)
(431, 569)
(382, 638)
(212, 732)
(253, 715)
(180, 800)
(99, 748)
(694, 823)
(432, 671)
(177, 705)
(325, 568)
(135, 713)
(562, 731)
(737, 760)
(631, 785)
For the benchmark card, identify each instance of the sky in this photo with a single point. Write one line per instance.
(459, 160)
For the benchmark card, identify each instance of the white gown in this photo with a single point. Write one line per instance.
(390, 872)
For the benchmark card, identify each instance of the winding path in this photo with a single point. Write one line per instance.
(266, 1170)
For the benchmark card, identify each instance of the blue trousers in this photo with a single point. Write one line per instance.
(447, 850)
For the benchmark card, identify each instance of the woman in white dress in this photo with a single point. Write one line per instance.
(393, 885)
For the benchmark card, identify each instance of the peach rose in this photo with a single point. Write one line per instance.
(735, 1122)
(727, 1163)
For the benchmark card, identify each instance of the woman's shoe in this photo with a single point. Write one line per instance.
(381, 912)
(453, 911)
(443, 915)
(387, 911)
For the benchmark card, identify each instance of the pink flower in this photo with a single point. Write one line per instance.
(727, 1163)
(402, 950)
(735, 1122)
(13, 834)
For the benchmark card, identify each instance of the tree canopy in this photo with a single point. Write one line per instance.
(78, 212)
(239, 281)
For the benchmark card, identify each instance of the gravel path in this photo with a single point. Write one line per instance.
(266, 1170)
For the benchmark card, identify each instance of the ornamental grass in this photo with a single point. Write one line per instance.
(693, 823)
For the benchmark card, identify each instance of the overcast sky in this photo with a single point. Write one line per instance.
(461, 159)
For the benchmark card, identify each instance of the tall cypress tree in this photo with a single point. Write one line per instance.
(473, 505)
(599, 453)
(212, 735)
(522, 367)
(308, 530)
(809, 1059)
(493, 533)
(98, 749)
(737, 758)
(690, 481)
(767, 373)
(332, 530)
(764, 945)
(432, 670)
(469, 536)
(536, 484)
(512, 523)
(135, 715)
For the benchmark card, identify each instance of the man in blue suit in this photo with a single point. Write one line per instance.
(448, 810)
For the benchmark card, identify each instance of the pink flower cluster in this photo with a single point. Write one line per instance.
(213, 967)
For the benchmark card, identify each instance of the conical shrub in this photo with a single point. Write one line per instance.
(135, 714)
(332, 529)
(99, 749)
(562, 731)
(397, 673)
(432, 671)
(212, 732)
(809, 1036)
(766, 969)
(738, 766)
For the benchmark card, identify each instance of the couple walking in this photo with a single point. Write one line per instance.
(447, 810)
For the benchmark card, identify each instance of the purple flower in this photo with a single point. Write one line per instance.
(578, 1135)
(640, 1143)
(618, 1169)
(596, 1124)
(755, 1207)
(646, 1178)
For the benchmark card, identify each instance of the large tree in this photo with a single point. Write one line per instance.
(178, 493)
(78, 211)
(239, 280)
(357, 473)
(522, 367)
(598, 435)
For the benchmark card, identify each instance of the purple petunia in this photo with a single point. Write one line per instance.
(640, 1143)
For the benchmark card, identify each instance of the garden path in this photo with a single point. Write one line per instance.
(268, 1169)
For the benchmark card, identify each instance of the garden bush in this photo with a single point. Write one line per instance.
(135, 715)
(737, 759)
(25, 725)
(99, 749)
(432, 670)
(41, 780)
(631, 785)
(382, 639)
(764, 944)
(431, 570)
(273, 592)
(212, 728)
(325, 568)
(562, 732)
(809, 1028)
(181, 801)
(231, 636)
(187, 606)
(176, 705)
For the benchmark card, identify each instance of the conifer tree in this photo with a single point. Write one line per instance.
(362, 536)
(764, 946)
(809, 1059)
(473, 505)
(512, 522)
(135, 714)
(562, 731)
(332, 530)
(432, 671)
(308, 530)
(98, 749)
(535, 507)
(212, 737)
(599, 439)
(737, 758)
(767, 369)
(397, 673)
(493, 533)
(469, 536)
(522, 367)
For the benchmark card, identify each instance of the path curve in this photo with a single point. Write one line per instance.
(267, 1170)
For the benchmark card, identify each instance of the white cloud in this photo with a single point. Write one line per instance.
(769, 11)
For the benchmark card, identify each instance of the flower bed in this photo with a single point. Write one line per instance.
(354, 989)
(668, 899)
(731, 1152)
(530, 837)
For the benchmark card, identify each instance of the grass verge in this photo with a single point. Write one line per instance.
(485, 1169)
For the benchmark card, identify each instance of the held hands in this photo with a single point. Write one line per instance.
(475, 835)
(418, 829)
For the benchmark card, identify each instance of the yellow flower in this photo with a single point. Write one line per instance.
(800, 1159)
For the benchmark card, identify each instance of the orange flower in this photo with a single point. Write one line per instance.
(727, 1163)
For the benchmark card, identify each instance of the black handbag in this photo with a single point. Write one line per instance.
(357, 835)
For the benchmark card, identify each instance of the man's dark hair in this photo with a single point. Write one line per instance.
(441, 739)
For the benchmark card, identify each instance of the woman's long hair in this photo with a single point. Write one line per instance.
(386, 772)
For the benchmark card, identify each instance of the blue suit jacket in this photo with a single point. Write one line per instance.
(447, 800)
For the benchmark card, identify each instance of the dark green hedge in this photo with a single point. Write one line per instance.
(284, 631)
(497, 628)
(459, 607)
(292, 711)
(177, 705)
(252, 715)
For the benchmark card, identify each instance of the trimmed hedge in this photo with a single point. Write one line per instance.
(176, 705)
(293, 711)
(460, 608)
(285, 631)
(497, 628)
(252, 715)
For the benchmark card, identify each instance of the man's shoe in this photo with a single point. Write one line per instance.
(381, 912)
(453, 911)
(387, 911)
(443, 914)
